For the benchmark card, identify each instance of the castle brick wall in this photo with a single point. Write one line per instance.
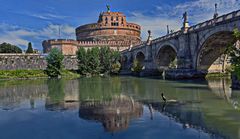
(32, 62)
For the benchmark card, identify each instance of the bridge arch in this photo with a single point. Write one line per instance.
(124, 61)
(210, 55)
(166, 57)
(140, 57)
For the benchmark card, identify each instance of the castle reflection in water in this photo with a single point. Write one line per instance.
(115, 108)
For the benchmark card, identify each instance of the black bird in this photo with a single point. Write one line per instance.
(164, 98)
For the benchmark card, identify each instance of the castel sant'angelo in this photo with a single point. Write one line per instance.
(111, 30)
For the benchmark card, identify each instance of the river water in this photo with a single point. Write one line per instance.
(118, 108)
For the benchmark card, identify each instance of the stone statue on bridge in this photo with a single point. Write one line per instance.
(185, 22)
(185, 17)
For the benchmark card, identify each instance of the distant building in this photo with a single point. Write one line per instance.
(111, 30)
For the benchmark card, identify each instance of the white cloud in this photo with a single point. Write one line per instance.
(47, 16)
(20, 36)
(158, 25)
(50, 15)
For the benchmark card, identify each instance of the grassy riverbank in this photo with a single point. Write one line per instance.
(28, 74)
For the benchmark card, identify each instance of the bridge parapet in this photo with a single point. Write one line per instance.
(172, 35)
(141, 45)
(202, 25)
(220, 19)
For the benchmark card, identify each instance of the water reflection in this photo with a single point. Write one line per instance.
(204, 106)
(222, 88)
(114, 115)
(184, 114)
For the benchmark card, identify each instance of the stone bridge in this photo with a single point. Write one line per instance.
(199, 48)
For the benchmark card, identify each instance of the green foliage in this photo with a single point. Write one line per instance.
(29, 49)
(14, 74)
(95, 61)
(27, 74)
(105, 58)
(115, 68)
(82, 61)
(54, 63)
(234, 52)
(173, 63)
(137, 66)
(8, 48)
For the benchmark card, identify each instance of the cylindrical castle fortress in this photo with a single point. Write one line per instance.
(111, 26)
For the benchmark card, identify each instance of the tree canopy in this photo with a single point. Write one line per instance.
(29, 49)
(234, 51)
(54, 63)
(98, 60)
(9, 48)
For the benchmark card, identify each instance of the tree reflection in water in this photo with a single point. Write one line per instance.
(55, 97)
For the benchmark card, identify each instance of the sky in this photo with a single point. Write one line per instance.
(23, 21)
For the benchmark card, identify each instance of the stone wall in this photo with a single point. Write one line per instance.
(32, 61)
(70, 47)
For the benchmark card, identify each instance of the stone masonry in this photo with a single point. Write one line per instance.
(32, 62)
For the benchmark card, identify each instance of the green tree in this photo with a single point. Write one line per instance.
(54, 63)
(93, 61)
(82, 61)
(9, 48)
(234, 52)
(115, 64)
(29, 49)
(105, 59)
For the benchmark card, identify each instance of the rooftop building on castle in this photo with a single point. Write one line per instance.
(111, 30)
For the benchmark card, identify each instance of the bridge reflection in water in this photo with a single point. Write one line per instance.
(205, 106)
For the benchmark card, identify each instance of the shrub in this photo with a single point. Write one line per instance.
(115, 68)
(137, 66)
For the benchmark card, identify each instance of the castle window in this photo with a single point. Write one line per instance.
(111, 18)
(117, 18)
(115, 24)
(106, 20)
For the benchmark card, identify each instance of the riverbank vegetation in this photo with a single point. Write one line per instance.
(97, 61)
(32, 74)
(137, 67)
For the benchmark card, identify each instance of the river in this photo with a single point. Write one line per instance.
(118, 108)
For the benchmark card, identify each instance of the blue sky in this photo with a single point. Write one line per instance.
(22, 21)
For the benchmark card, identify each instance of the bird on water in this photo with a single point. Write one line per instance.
(164, 98)
(169, 100)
